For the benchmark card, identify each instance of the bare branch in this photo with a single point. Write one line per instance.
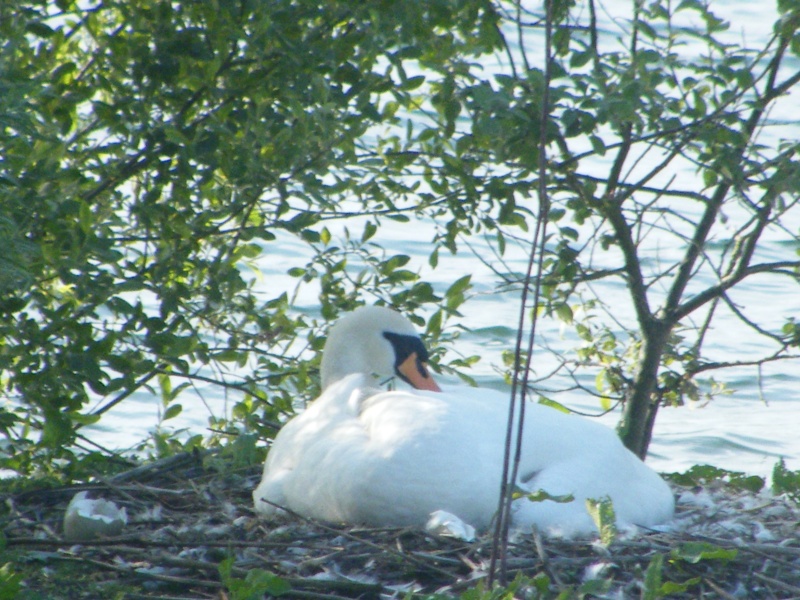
(728, 282)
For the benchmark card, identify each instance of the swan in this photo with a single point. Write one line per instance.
(361, 455)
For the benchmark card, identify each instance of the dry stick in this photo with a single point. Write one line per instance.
(500, 538)
(135, 596)
(170, 463)
(719, 591)
(778, 584)
(539, 545)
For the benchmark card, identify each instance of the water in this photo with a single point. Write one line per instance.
(746, 431)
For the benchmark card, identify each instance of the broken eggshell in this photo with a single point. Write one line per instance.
(88, 519)
(448, 525)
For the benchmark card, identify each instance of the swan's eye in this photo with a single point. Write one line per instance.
(404, 346)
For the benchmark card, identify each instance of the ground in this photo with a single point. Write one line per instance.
(192, 534)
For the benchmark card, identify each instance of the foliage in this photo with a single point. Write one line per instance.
(10, 583)
(694, 552)
(654, 585)
(786, 481)
(706, 474)
(538, 587)
(256, 583)
(626, 123)
(541, 496)
(154, 154)
(602, 512)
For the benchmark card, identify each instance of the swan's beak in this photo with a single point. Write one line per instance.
(416, 373)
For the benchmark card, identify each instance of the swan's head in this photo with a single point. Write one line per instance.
(376, 341)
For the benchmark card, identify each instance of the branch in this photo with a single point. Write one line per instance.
(672, 306)
(636, 283)
(752, 324)
(511, 465)
(783, 88)
(728, 282)
(712, 366)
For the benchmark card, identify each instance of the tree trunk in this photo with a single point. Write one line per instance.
(641, 405)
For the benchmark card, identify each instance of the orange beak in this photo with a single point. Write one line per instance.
(417, 374)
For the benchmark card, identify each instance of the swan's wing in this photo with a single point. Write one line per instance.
(295, 452)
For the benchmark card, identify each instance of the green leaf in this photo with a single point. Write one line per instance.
(172, 411)
(694, 552)
(597, 145)
(600, 381)
(553, 404)
(267, 583)
(325, 236)
(86, 217)
(604, 517)
(254, 586)
(396, 261)
(369, 230)
(10, 582)
(84, 419)
(40, 29)
(785, 481)
(669, 588)
(701, 474)
(542, 496)
(564, 312)
(249, 251)
(578, 59)
(459, 286)
(433, 258)
(652, 589)
(413, 83)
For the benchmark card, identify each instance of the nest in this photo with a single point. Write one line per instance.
(192, 534)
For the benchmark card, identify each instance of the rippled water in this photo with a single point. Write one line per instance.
(746, 431)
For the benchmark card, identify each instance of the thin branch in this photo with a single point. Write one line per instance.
(113, 402)
(713, 366)
(633, 271)
(510, 470)
(727, 283)
(684, 275)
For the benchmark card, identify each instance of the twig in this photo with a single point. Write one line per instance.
(719, 590)
(778, 584)
(163, 465)
(520, 380)
(539, 545)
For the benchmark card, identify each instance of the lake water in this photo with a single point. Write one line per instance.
(746, 431)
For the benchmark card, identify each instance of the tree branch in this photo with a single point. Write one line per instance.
(672, 307)
(727, 283)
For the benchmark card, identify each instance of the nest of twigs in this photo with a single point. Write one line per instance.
(192, 534)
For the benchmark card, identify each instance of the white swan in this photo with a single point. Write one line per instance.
(365, 456)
